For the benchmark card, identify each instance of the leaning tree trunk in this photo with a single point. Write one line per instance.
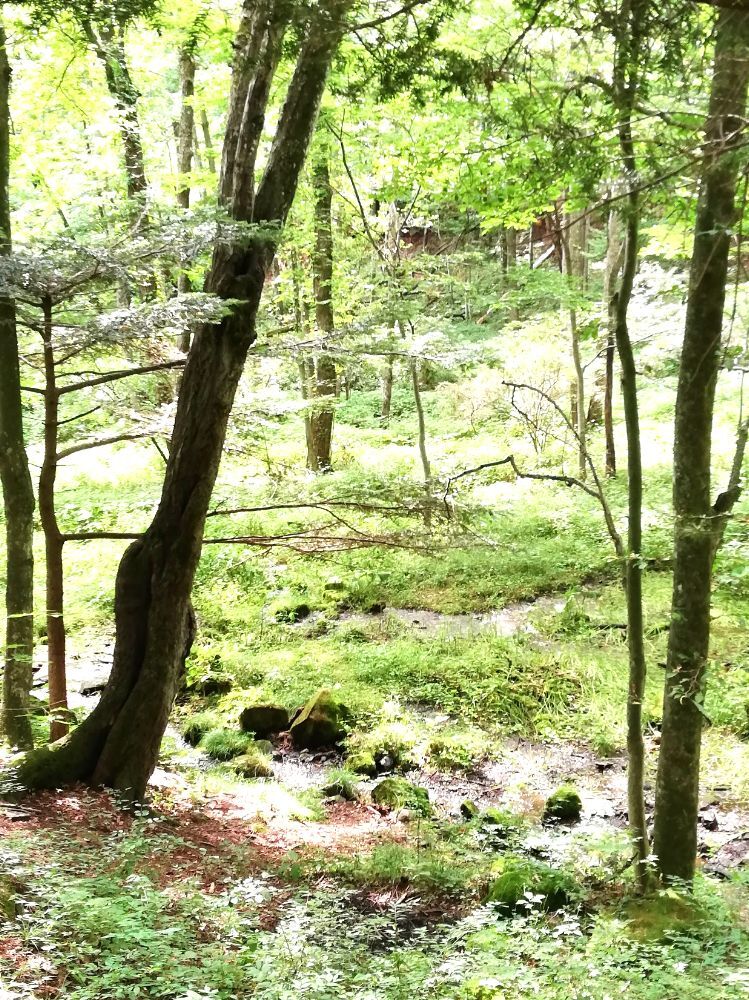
(53, 540)
(118, 744)
(677, 788)
(320, 424)
(18, 493)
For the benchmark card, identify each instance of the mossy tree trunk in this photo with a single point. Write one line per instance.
(696, 520)
(320, 424)
(118, 744)
(18, 493)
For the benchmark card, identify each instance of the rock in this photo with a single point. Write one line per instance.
(321, 723)
(549, 888)
(362, 763)
(406, 815)
(397, 793)
(89, 688)
(264, 720)
(384, 761)
(252, 765)
(469, 809)
(290, 610)
(564, 805)
(709, 819)
(732, 855)
(209, 684)
(263, 746)
(341, 786)
(194, 728)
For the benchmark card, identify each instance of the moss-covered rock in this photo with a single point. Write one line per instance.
(209, 684)
(397, 793)
(252, 764)
(225, 744)
(362, 763)
(289, 610)
(523, 882)
(264, 720)
(194, 729)
(564, 805)
(321, 723)
(469, 809)
(342, 783)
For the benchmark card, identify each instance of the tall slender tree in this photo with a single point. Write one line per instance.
(18, 493)
(697, 519)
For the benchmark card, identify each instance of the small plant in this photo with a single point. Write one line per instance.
(196, 726)
(225, 744)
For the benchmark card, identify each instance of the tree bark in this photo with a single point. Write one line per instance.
(108, 42)
(118, 744)
(571, 267)
(627, 72)
(18, 493)
(386, 381)
(185, 151)
(320, 434)
(53, 540)
(677, 789)
(614, 253)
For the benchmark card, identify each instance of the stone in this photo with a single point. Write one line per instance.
(362, 763)
(384, 761)
(397, 793)
(252, 765)
(209, 684)
(289, 610)
(321, 723)
(468, 809)
(343, 787)
(519, 878)
(563, 806)
(264, 720)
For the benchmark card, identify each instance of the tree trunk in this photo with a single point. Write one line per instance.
(185, 154)
(613, 267)
(53, 540)
(570, 267)
(321, 416)
(422, 440)
(386, 381)
(677, 789)
(108, 43)
(626, 82)
(18, 493)
(207, 141)
(118, 744)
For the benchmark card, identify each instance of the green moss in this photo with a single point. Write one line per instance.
(321, 723)
(469, 809)
(343, 783)
(252, 764)
(396, 793)
(563, 805)
(194, 729)
(523, 882)
(362, 762)
(654, 918)
(225, 744)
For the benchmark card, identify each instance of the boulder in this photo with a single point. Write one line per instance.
(341, 786)
(264, 720)
(564, 805)
(469, 810)
(252, 765)
(521, 878)
(397, 793)
(362, 763)
(321, 723)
